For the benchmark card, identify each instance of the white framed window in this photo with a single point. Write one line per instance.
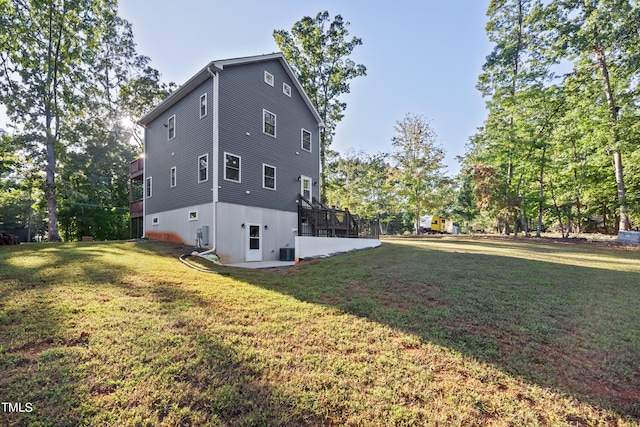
(193, 215)
(268, 78)
(203, 168)
(305, 187)
(148, 190)
(171, 127)
(232, 167)
(155, 220)
(286, 89)
(268, 177)
(173, 177)
(203, 105)
(268, 123)
(305, 140)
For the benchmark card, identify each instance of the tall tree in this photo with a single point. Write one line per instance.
(361, 182)
(465, 208)
(601, 37)
(512, 69)
(137, 95)
(319, 52)
(49, 54)
(419, 164)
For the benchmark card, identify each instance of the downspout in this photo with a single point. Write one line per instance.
(144, 185)
(214, 161)
(321, 174)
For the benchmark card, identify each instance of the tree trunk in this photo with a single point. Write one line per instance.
(617, 156)
(541, 202)
(53, 233)
(624, 217)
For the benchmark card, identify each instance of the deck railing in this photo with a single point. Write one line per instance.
(136, 167)
(318, 220)
(136, 208)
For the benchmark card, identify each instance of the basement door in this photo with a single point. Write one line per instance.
(254, 242)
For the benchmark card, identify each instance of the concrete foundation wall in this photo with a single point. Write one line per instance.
(278, 229)
(179, 225)
(309, 247)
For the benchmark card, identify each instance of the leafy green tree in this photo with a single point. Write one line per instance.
(51, 52)
(601, 38)
(319, 51)
(362, 183)
(94, 189)
(465, 208)
(21, 186)
(418, 157)
(512, 76)
(137, 95)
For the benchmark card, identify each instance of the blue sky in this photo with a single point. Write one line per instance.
(422, 57)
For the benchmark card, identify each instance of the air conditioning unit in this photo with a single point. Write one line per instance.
(287, 254)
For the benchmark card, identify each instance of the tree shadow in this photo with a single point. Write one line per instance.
(567, 327)
(75, 372)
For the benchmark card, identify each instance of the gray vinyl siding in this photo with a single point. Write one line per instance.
(243, 96)
(194, 137)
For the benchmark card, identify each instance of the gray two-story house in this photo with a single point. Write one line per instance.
(226, 156)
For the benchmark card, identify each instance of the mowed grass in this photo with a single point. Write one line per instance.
(445, 332)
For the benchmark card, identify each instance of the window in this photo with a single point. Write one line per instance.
(268, 78)
(155, 220)
(203, 105)
(269, 123)
(203, 168)
(286, 89)
(231, 167)
(173, 177)
(268, 177)
(193, 215)
(306, 140)
(171, 127)
(305, 187)
(147, 190)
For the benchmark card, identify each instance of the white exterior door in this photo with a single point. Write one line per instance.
(305, 187)
(254, 242)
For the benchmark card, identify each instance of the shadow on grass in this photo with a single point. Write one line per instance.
(567, 327)
(39, 351)
(120, 352)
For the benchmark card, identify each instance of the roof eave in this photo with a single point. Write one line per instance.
(200, 77)
(203, 75)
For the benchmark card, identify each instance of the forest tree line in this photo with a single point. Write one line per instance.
(558, 150)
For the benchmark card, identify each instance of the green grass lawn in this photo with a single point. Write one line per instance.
(447, 331)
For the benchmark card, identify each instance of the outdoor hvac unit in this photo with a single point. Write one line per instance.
(287, 254)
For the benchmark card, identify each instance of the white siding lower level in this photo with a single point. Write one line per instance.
(179, 225)
(278, 228)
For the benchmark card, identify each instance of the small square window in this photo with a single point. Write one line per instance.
(268, 78)
(306, 140)
(231, 167)
(268, 123)
(173, 177)
(193, 215)
(286, 89)
(203, 105)
(268, 177)
(155, 220)
(171, 127)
